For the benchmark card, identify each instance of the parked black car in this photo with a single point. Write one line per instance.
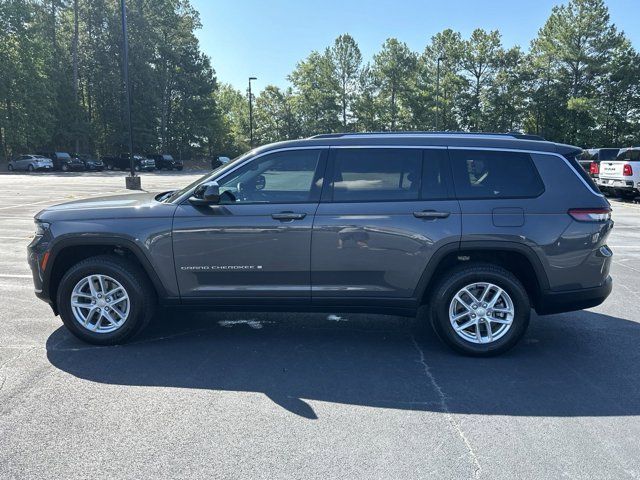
(167, 161)
(90, 162)
(590, 159)
(63, 161)
(121, 162)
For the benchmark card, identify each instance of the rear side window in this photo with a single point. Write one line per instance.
(376, 174)
(631, 155)
(494, 174)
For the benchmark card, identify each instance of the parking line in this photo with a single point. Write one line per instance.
(10, 275)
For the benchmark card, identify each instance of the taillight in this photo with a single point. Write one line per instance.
(627, 171)
(591, 214)
(594, 168)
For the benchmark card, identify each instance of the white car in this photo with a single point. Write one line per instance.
(30, 163)
(621, 176)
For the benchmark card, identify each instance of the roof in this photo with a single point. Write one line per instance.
(514, 141)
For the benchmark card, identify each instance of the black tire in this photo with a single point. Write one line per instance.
(179, 169)
(30, 168)
(64, 167)
(10, 167)
(109, 167)
(141, 296)
(462, 276)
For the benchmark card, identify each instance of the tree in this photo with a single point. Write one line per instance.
(480, 61)
(316, 97)
(577, 41)
(394, 72)
(347, 61)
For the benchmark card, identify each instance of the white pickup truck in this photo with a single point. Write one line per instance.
(621, 177)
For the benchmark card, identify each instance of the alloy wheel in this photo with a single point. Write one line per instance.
(481, 313)
(100, 303)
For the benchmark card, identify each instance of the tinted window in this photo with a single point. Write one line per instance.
(373, 174)
(630, 154)
(486, 174)
(607, 154)
(283, 177)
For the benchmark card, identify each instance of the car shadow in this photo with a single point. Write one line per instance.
(579, 364)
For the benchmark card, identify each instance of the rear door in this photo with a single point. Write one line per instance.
(384, 213)
(256, 244)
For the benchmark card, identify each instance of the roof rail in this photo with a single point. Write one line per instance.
(518, 135)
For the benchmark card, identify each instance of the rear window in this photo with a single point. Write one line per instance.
(631, 154)
(608, 153)
(373, 174)
(494, 174)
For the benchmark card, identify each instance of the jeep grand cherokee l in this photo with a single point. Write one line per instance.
(480, 229)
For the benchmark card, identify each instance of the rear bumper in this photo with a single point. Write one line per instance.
(569, 301)
(617, 184)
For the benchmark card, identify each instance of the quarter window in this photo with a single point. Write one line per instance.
(494, 174)
(372, 174)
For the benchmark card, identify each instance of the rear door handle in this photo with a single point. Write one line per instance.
(431, 214)
(288, 216)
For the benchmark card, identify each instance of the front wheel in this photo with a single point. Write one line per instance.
(105, 300)
(480, 310)
(31, 168)
(10, 167)
(65, 167)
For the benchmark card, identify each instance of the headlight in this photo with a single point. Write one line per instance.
(41, 228)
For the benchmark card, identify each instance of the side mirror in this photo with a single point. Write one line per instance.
(207, 194)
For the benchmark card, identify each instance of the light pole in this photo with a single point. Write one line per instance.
(251, 113)
(440, 59)
(132, 181)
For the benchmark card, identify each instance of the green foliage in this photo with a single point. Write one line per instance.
(578, 83)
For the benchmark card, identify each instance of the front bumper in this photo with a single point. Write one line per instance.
(36, 251)
(571, 300)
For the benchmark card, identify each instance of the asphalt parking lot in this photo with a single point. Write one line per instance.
(266, 396)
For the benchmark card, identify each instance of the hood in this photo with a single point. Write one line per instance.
(133, 205)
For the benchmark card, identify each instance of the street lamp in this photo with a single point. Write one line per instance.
(440, 59)
(251, 113)
(132, 181)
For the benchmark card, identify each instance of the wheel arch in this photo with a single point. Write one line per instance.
(515, 257)
(67, 251)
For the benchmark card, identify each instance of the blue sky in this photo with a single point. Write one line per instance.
(267, 38)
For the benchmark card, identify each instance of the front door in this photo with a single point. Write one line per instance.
(256, 243)
(386, 212)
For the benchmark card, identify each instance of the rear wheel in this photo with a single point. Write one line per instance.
(105, 300)
(10, 167)
(31, 168)
(480, 310)
(65, 167)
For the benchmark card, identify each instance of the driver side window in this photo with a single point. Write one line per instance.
(282, 177)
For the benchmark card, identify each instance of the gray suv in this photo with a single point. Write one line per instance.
(476, 228)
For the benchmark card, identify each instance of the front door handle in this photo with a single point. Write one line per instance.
(288, 216)
(431, 214)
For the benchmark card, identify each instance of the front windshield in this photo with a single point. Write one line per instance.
(205, 178)
(63, 155)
